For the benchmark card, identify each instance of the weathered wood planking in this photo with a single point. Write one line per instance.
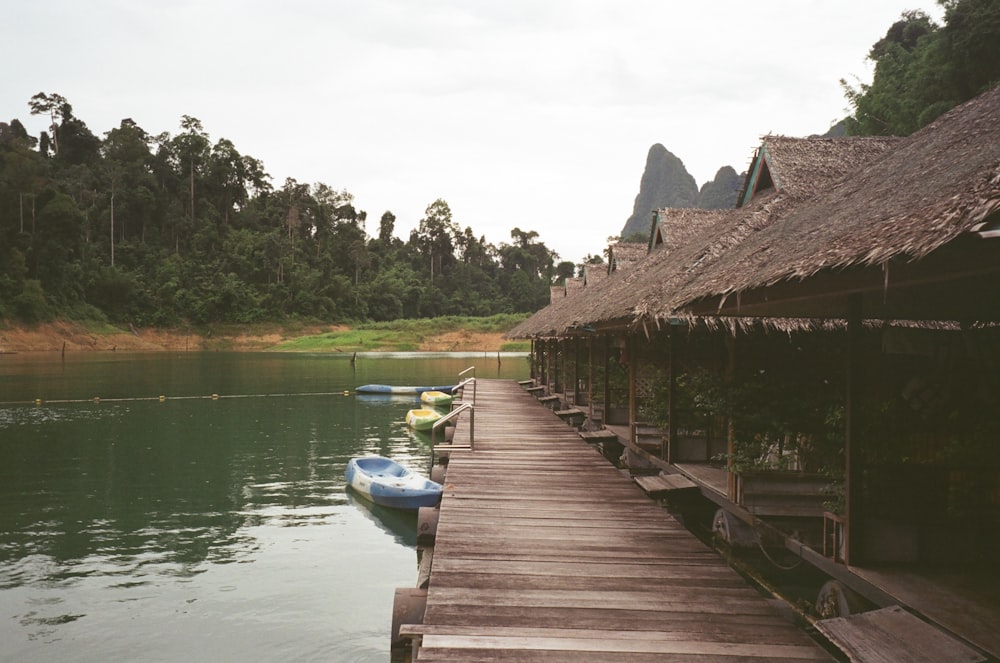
(892, 634)
(968, 608)
(546, 552)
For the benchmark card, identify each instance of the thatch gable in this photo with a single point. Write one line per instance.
(675, 227)
(594, 274)
(574, 286)
(624, 254)
(802, 166)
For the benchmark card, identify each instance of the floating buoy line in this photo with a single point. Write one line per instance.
(162, 398)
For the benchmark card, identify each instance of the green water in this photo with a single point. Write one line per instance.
(200, 528)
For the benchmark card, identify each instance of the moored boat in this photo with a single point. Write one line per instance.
(436, 398)
(388, 483)
(398, 389)
(422, 419)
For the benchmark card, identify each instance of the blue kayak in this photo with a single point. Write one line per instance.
(386, 482)
(393, 389)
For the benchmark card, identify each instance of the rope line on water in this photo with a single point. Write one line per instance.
(214, 397)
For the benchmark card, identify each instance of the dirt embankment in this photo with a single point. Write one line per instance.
(73, 337)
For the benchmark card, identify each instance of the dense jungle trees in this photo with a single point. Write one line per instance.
(923, 70)
(166, 229)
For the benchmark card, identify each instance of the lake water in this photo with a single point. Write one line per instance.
(200, 528)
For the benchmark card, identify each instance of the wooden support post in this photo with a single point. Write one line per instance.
(630, 348)
(668, 445)
(853, 507)
(731, 486)
(575, 377)
(590, 375)
(607, 384)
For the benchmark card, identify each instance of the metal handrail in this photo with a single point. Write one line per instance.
(454, 413)
(461, 385)
(473, 378)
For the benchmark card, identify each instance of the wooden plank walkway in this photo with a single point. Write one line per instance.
(547, 552)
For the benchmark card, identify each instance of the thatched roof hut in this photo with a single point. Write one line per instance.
(798, 168)
(907, 231)
(800, 193)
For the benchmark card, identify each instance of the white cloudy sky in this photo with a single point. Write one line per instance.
(535, 114)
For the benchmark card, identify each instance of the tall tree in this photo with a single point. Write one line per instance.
(51, 105)
(435, 237)
(386, 226)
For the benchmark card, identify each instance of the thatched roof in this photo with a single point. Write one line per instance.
(928, 190)
(544, 322)
(804, 166)
(594, 274)
(833, 203)
(646, 290)
(560, 315)
(574, 286)
(624, 254)
(679, 226)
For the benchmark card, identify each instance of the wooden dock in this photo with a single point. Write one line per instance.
(544, 551)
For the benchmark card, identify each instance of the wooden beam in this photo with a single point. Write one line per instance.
(952, 283)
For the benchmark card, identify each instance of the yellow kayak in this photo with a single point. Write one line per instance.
(436, 398)
(422, 419)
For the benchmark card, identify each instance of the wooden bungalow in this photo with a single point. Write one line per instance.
(834, 237)
(616, 311)
(913, 236)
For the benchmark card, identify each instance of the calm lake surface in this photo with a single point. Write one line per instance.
(196, 528)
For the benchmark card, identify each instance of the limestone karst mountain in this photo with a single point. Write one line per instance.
(666, 183)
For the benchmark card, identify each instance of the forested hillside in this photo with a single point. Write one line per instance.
(923, 69)
(161, 229)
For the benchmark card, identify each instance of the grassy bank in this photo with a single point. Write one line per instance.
(449, 333)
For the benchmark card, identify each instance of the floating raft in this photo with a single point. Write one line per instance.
(397, 389)
(422, 419)
(436, 398)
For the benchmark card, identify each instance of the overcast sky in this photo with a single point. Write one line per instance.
(535, 114)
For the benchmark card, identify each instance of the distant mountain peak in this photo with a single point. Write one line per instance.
(667, 183)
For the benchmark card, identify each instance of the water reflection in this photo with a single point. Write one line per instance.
(401, 525)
